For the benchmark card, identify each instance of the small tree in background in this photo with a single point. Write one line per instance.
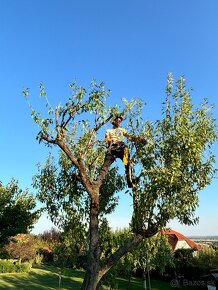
(22, 247)
(168, 173)
(51, 236)
(17, 211)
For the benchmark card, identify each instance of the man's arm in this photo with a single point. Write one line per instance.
(107, 138)
(135, 138)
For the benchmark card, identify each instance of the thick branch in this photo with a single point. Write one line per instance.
(48, 140)
(56, 118)
(102, 123)
(114, 258)
(88, 145)
(92, 133)
(85, 179)
(79, 164)
(67, 151)
(109, 159)
(131, 245)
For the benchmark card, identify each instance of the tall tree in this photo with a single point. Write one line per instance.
(167, 173)
(17, 211)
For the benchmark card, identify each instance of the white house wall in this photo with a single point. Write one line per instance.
(182, 245)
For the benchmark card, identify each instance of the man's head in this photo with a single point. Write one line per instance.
(117, 121)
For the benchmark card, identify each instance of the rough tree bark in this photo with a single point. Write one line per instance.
(92, 272)
(92, 276)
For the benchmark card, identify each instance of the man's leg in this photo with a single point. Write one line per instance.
(122, 152)
(128, 175)
(126, 162)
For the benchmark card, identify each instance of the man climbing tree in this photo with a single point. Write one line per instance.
(168, 172)
(114, 139)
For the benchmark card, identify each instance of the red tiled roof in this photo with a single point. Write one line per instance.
(174, 237)
(47, 249)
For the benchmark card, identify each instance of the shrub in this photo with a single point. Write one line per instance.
(13, 266)
(7, 266)
(22, 267)
(38, 259)
(207, 259)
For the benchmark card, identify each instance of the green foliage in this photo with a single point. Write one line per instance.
(63, 196)
(74, 242)
(207, 259)
(170, 170)
(184, 262)
(86, 111)
(177, 162)
(67, 248)
(66, 198)
(17, 211)
(12, 266)
(113, 183)
(160, 253)
(38, 260)
(155, 251)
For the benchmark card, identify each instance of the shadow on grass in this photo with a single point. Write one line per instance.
(135, 284)
(44, 278)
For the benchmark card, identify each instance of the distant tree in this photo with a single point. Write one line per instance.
(22, 247)
(51, 236)
(75, 242)
(17, 211)
(168, 172)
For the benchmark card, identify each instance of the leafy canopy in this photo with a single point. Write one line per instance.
(168, 172)
(17, 211)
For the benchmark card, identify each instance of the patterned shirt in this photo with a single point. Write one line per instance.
(115, 135)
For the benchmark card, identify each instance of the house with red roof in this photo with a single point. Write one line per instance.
(178, 241)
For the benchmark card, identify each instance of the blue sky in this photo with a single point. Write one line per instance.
(130, 45)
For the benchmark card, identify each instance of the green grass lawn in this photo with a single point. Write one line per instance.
(137, 284)
(44, 278)
(47, 278)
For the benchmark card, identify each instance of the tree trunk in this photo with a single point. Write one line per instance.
(93, 264)
(129, 278)
(92, 277)
(95, 271)
(90, 281)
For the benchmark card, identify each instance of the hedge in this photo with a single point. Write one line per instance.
(13, 266)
